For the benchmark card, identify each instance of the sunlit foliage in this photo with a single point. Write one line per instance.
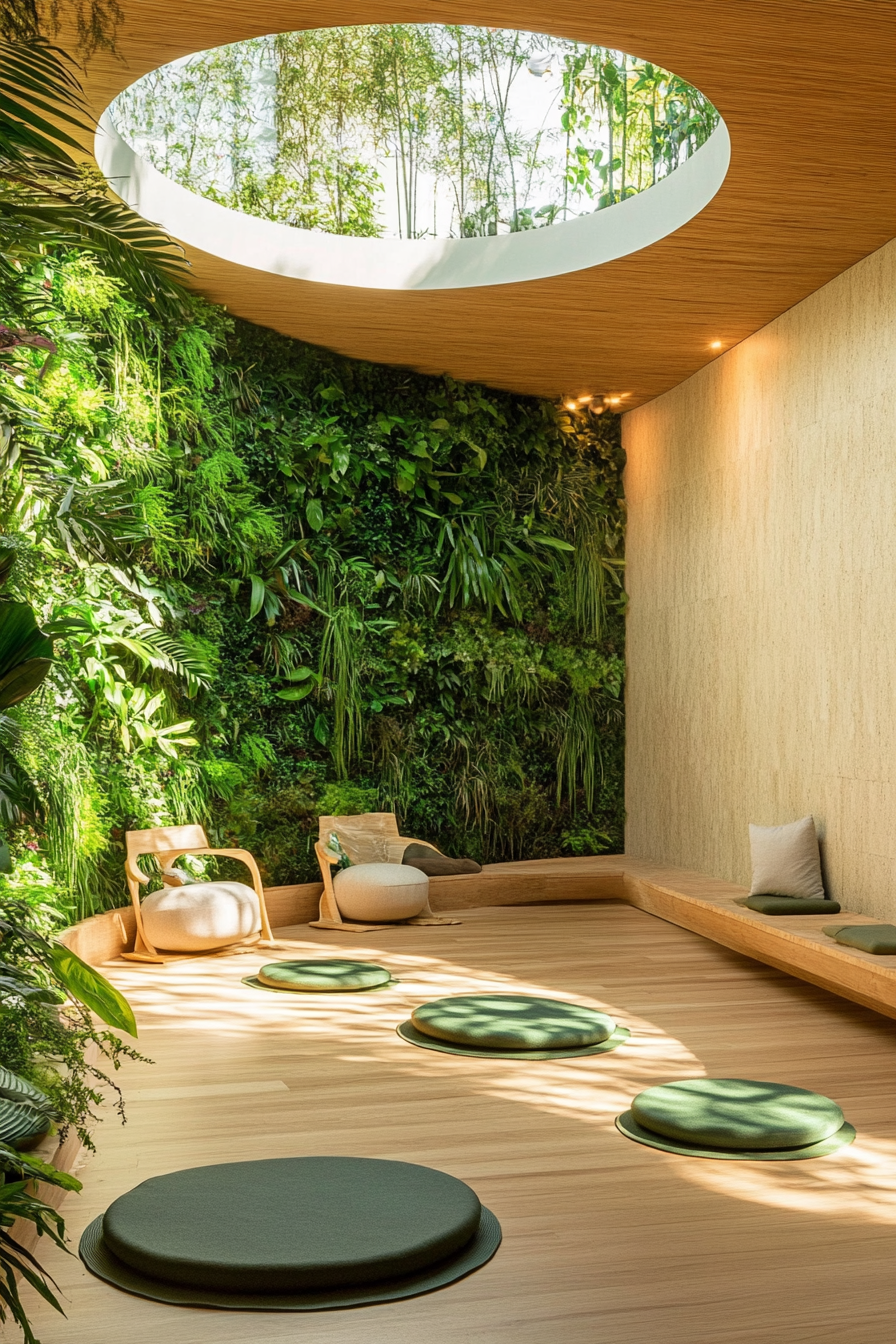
(415, 129)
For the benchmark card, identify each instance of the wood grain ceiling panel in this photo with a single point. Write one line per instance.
(805, 87)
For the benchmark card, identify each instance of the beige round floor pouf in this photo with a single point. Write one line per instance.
(380, 891)
(200, 916)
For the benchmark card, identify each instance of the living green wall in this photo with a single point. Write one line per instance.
(294, 584)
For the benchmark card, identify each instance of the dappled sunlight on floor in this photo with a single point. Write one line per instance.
(606, 1241)
(208, 995)
(858, 1181)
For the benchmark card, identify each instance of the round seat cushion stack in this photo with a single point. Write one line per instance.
(521, 1026)
(380, 891)
(291, 1234)
(736, 1118)
(200, 916)
(332, 976)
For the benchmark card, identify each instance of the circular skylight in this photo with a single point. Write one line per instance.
(414, 156)
(414, 131)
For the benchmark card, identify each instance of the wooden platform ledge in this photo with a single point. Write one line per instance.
(705, 905)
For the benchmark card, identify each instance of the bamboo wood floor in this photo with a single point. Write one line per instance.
(605, 1242)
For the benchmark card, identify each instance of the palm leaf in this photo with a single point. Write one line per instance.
(35, 80)
(48, 198)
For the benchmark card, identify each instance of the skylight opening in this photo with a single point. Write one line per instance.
(414, 130)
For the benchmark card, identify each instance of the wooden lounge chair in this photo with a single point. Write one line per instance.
(381, 829)
(167, 844)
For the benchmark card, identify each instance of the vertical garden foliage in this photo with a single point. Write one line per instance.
(306, 585)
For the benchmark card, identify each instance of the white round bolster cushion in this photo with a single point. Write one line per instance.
(380, 891)
(200, 916)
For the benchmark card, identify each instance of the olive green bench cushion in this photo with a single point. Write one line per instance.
(332, 976)
(291, 1233)
(789, 905)
(877, 938)
(736, 1117)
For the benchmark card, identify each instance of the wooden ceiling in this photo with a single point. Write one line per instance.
(806, 89)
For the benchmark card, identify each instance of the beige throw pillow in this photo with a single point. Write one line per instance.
(786, 861)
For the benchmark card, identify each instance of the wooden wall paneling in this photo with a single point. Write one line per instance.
(761, 623)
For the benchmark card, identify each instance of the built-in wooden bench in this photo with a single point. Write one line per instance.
(705, 905)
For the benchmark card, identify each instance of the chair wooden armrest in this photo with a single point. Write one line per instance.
(244, 857)
(135, 874)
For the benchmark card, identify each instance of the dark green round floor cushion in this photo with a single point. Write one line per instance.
(737, 1113)
(512, 1022)
(323, 977)
(287, 1225)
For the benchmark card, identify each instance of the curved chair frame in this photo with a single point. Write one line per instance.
(168, 843)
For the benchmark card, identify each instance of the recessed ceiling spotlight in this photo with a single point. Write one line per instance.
(715, 345)
(583, 401)
(571, 405)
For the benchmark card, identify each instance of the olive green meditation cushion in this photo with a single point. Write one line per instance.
(323, 977)
(790, 905)
(877, 938)
(291, 1234)
(512, 1022)
(736, 1118)
(737, 1113)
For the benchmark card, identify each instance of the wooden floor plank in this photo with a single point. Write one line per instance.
(605, 1242)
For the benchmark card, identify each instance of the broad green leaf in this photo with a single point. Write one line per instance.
(85, 984)
(322, 729)
(20, 636)
(296, 692)
(298, 674)
(315, 514)
(23, 680)
(257, 599)
(441, 423)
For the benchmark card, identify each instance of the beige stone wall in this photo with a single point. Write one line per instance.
(762, 576)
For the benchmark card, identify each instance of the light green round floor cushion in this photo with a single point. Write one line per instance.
(736, 1117)
(512, 1022)
(323, 977)
(511, 1026)
(291, 1233)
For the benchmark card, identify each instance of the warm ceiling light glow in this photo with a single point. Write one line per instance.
(583, 401)
(571, 405)
(715, 345)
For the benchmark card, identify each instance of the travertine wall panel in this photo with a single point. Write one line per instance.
(762, 578)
